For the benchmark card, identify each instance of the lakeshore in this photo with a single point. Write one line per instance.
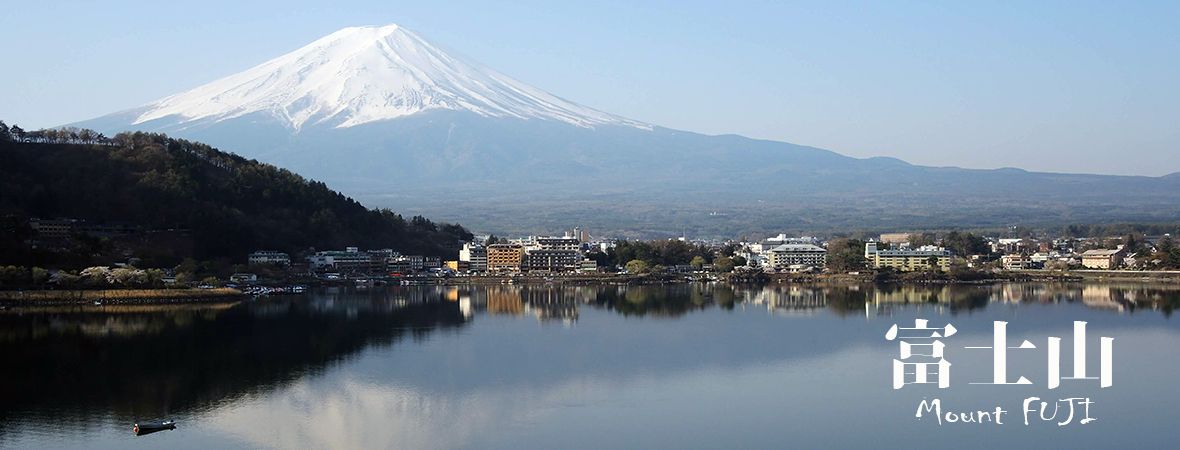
(163, 296)
(116, 296)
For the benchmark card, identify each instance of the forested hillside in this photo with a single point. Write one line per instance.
(185, 199)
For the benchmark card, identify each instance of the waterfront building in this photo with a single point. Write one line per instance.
(413, 263)
(1040, 258)
(1102, 259)
(457, 265)
(504, 257)
(349, 260)
(1016, 262)
(588, 266)
(399, 266)
(787, 255)
(431, 262)
(476, 256)
(550, 260)
(925, 257)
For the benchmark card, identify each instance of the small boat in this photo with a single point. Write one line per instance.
(141, 429)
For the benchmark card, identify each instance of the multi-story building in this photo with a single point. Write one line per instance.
(550, 260)
(476, 257)
(398, 266)
(1016, 261)
(431, 262)
(926, 257)
(763, 246)
(349, 260)
(409, 263)
(53, 228)
(68, 228)
(581, 235)
(1102, 259)
(588, 266)
(786, 255)
(269, 257)
(895, 238)
(558, 243)
(505, 257)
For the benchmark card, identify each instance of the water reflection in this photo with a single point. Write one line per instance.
(309, 370)
(83, 363)
(1117, 297)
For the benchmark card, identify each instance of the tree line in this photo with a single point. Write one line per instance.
(638, 257)
(63, 135)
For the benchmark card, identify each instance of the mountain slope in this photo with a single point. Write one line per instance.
(382, 114)
(226, 205)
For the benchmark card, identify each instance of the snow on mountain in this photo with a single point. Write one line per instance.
(360, 75)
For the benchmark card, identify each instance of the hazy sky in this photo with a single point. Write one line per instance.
(1057, 86)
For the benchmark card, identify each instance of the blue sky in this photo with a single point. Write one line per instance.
(1055, 86)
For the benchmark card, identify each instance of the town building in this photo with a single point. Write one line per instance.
(558, 243)
(1016, 262)
(1102, 259)
(431, 262)
(761, 247)
(457, 265)
(504, 257)
(53, 228)
(476, 257)
(349, 260)
(269, 257)
(926, 257)
(588, 266)
(68, 228)
(786, 255)
(550, 260)
(398, 266)
(1012, 245)
(243, 277)
(581, 235)
(894, 238)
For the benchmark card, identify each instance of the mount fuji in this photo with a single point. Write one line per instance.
(363, 75)
(384, 115)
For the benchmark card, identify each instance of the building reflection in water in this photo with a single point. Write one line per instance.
(792, 299)
(545, 302)
(1118, 297)
(555, 302)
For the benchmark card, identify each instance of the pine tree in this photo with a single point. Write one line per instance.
(18, 133)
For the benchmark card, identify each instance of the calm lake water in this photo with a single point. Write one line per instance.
(684, 366)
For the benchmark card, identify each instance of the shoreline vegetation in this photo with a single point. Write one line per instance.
(159, 296)
(116, 296)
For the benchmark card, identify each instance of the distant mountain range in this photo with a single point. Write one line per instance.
(384, 115)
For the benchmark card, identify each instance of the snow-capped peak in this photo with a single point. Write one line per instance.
(365, 74)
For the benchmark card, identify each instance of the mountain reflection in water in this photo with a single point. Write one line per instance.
(83, 368)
